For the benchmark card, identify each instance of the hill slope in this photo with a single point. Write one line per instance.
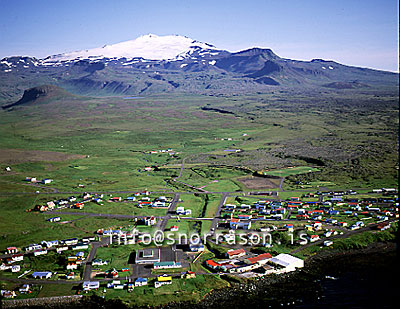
(40, 94)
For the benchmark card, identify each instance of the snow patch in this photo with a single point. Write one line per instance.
(323, 68)
(212, 62)
(183, 65)
(330, 68)
(6, 63)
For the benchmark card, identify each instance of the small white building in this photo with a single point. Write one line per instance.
(90, 285)
(328, 243)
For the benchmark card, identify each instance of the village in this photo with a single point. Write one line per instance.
(248, 236)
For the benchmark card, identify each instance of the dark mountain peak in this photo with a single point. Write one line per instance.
(256, 51)
(36, 93)
(18, 58)
(323, 61)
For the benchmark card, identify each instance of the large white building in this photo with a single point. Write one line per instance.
(287, 261)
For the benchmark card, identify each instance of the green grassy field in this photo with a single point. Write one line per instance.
(111, 149)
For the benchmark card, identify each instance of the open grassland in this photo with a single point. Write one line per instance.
(104, 143)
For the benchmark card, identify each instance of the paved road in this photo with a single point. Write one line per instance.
(217, 215)
(289, 213)
(170, 211)
(181, 171)
(281, 183)
(185, 184)
(88, 265)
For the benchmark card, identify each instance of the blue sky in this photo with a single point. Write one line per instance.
(354, 32)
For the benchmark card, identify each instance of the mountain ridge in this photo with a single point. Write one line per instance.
(195, 67)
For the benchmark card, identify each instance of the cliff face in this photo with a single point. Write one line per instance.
(34, 94)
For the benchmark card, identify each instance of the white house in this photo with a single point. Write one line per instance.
(140, 281)
(72, 266)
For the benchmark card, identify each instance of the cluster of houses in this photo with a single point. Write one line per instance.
(241, 216)
(73, 261)
(117, 285)
(170, 151)
(259, 209)
(239, 262)
(347, 213)
(159, 202)
(25, 289)
(130, 285)
(70, 202)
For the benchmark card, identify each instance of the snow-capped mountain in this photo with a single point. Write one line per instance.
(150, 47)
(173, 63)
